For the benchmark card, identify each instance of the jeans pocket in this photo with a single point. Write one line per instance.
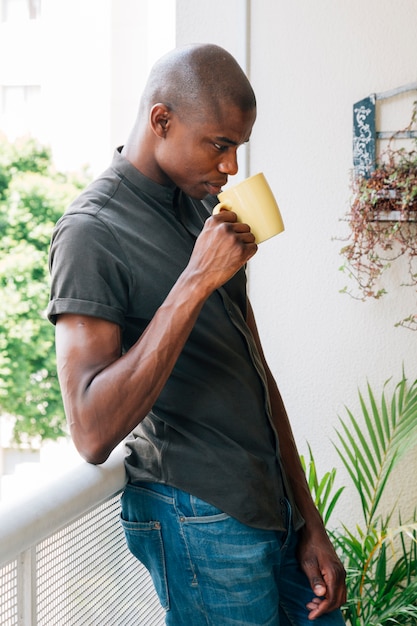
(194, 511)
(145, 542)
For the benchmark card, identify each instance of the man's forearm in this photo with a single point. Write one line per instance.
(104, 401)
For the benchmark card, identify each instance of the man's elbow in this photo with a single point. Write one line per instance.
(93, 457)
(91, 450)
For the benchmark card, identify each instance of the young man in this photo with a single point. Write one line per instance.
(156, 341)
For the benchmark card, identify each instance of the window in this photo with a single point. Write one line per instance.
(16, 99)
(20, 10)
(20, 108)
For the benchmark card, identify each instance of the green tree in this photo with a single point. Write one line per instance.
(33, 195)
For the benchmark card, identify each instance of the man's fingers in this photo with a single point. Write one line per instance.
(319, 586)
(229, 217)
(224, 215)
(328, 588)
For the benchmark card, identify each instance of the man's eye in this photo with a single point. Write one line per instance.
(220, 147)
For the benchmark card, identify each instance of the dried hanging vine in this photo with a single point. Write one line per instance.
(383, 224)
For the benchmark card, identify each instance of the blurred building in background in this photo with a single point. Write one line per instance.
(72, 71)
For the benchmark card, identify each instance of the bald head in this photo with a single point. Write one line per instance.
(197, 79)
(197, 108)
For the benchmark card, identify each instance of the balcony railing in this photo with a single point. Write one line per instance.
(63, 558)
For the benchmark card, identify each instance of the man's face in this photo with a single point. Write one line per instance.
(198, 154)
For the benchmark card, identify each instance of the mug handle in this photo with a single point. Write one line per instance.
(220, 207)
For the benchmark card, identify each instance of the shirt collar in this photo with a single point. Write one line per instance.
(162, 193)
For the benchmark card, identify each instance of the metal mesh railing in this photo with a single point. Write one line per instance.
(81, 575)
(86, 575)
(8, 595)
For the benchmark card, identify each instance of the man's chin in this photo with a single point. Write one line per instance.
(198, 195)
(201, 191)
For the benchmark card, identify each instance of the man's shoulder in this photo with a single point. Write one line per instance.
(97, 194)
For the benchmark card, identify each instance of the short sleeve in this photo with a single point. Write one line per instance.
(89, 272)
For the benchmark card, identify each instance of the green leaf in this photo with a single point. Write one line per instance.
(380, 557)
(371, 432)
(33, 196)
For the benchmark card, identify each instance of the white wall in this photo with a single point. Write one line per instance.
(309, 62)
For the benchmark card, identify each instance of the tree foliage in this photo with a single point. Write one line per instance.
(33, 195)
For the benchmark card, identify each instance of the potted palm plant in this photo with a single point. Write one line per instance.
(380, 553)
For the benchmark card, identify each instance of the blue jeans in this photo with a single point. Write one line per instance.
(209, 569)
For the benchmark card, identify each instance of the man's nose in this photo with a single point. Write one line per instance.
(228, 165)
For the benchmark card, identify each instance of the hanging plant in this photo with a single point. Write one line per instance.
(383, 224)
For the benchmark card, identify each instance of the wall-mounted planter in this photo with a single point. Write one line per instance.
(383, 211)
(365, 134)
(389, 192)
(389, 207)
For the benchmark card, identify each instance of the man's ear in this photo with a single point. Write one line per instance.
(160, 118)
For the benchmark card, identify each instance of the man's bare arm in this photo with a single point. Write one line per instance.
(316, 554)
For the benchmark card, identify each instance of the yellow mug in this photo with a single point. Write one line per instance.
(254, 203)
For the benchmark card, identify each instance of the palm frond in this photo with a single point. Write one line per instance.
(321, 490)
(370, 450)
(380, 557)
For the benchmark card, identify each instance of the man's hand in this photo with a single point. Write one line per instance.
(324, 570)
(222, 248)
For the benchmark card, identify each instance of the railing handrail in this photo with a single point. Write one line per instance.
(58, 503)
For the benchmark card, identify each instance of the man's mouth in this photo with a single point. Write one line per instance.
(215, 188)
